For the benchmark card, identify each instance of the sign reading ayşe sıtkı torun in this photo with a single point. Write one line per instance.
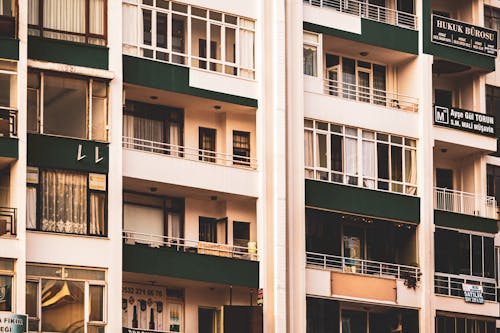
(473, 293)
(464, 36)
(478, 123)
(12, 323)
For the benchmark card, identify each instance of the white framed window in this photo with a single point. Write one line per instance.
(311, 52)
(353, 156)
(189, 35)
(51, 97)
(65, 299)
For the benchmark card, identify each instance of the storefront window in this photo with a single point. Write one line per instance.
(66, 107)
(62, 300)
(446, 324)
(6, 280)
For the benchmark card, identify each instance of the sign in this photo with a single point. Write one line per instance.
(464, 36)
(32, 175)
(97, 181)
(469, 121)
(12, 323)
(136, 330)
(473, 293)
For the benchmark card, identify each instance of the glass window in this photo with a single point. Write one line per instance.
(32, 305)
(241, 233)
(33, 101)
(241, 148)
(82, 21)
(7, 90)
(96, 295)
(492, 18)
(209, 320)
(310, 60)
(5, 292)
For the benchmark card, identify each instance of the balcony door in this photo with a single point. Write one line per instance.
(207, 137)
(444, 178)
(445, 199)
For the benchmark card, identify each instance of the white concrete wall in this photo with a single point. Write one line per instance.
(457, 304)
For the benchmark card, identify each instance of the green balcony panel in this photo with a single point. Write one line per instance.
(9, 48)
(9, 148)
(70, 53)
(175, 78)
(200, 267)
(462, 221)
(375, 33)
(350, 199)
(65, 153)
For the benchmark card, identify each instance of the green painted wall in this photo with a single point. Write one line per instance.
(362, 201)
(69, 53)
(9, 147)
(450, 53)
(375, 33)
(61, 153)
(192, 266)
(462, 221)
(9, 48)
(155, 74)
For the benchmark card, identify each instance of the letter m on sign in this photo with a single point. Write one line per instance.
(441, 115)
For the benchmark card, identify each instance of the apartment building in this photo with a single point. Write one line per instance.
(249, 166)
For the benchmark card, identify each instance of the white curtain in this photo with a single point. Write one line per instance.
(97, 209)
(130, 29)
(33, 10)
(174, 225)
(30, 208)
(369, 164)
(128, 130)
(96, 17)
(150, 132)
(64, 15)
(411, 170)
(64, 202)
(351, 159)
(308, 149)
(246, 49)
(174, 139)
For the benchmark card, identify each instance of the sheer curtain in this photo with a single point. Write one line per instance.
(174, 225)
(369, 164)
(33, 10)
(30, 208)
(174, 138)
(351, 160)
(97, 209)
(130, 29)
(64, 202)
(411, 170)
(308, 149)
(246, 49)
(64, 15)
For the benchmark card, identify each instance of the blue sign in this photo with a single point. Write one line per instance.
(12, 323)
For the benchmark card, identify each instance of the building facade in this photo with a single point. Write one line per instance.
(249, 166)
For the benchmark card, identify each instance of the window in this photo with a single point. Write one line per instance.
(213, 230)
(8, 98)
(241, 234)
(207, 144)
(493, 181)
(493, 104)
(492, 18)
(311, 44)
(464, 254)
(66, 107)
(209, 320)
(65, 202)
(6, 283)
(58, 296)
(241, 148)
(8, 18)
(332, 152)
(446, 324)
(189, 35)
(82, 21)
(153, 128)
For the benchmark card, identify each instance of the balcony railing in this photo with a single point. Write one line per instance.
(465, 203)
(370, 95)
(8, 122)
(370, 11)
(451, 285)
(361, 266)
(7, 221)
(194, 154)
(192, 246)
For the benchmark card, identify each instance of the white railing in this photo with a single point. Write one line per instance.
(370, 11)
(465, 203)
(194, 154)
(192, 246)
(363, 267)
(370, 95)
(451, 285)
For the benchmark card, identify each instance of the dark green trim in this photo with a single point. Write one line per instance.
(168, 262)
(375, 33)
(70, 53)
(468, 222)
(357, 200)
(9, 48)
(159, 75)
(451, 53)
(61, 153)
(9, 147)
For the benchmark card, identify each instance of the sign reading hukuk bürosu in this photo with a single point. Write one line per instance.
(464, 36)
(478, 123)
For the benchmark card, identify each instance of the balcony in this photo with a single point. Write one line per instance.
(369, 11)
(451, 285)
(8, 122)
(367, 94)
(465, 203)
(8, 222)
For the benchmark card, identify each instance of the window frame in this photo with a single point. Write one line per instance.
(87, 35)
(40, 110)
(242, 159)
(39, 208)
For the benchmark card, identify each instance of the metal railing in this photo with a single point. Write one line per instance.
(361, 266)
(192, 246)
(194, 154)
(370, 11)
(451, 285)
(465, 203)
(8, 122)
(8, 221)
(370, 95)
